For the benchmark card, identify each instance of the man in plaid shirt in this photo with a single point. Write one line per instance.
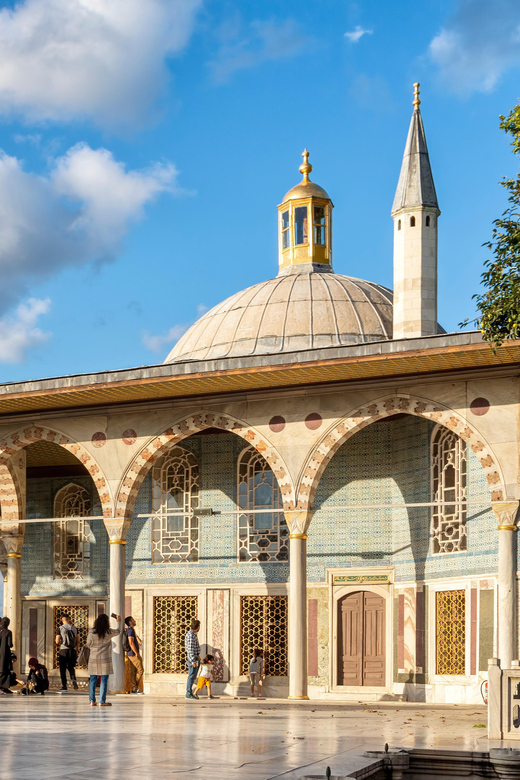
(191, 643)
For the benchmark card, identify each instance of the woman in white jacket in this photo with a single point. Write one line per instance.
(99, 642)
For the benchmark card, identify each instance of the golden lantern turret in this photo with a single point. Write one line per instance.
(305, 226)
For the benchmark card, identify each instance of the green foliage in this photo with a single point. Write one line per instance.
(499, 305)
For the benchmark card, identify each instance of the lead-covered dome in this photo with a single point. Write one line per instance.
(294, 312)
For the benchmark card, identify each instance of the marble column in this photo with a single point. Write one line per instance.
(506, 514)
(3, 572)
(298, 522)
(117, 530)
(13, 590)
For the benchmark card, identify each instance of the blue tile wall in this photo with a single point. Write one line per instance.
(37, 574)
(217, 457)
(389, 462)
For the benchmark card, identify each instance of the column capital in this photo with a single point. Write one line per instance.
(13, 544)
(505, 512)
(298, 522)
(117, 529)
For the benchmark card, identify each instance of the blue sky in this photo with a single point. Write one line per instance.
(146, 147)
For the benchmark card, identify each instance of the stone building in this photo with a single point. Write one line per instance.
(317, 469)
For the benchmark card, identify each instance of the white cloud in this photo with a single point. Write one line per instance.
(157, 343)
(104, 60)
(357, 34)
(264, 41)
(77, 214)
(19, 333)
(477, 45)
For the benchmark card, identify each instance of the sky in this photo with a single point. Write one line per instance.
(145, 145)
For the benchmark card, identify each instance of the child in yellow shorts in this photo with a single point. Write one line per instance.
(205, 675)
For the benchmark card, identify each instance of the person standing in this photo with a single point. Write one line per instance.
(191, 643)
(67, 639)
(256, 670)
(6, 663)
(99, 642)
(133, 655)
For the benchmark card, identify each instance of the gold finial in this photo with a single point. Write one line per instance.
(306, 167)
(416, 100)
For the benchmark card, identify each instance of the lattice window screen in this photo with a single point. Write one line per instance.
(79, 618)
(263, 624)
(449, 484)
(172, 616)
(261, 536)
(175, 529)
(72, 537)
(451, 632)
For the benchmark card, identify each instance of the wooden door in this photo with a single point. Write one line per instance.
(361, 639)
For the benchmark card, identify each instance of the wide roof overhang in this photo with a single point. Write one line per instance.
(452, 352)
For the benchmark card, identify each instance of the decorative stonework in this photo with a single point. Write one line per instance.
(129, 436)
(277, 423)
(117, 528)
(480, 406)
(135, 474)
(377, 410)
(298, 522)
(9, 496)
(99, 439)
(506, 512)
(313, 421)
(13, 544)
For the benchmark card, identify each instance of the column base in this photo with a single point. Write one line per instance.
(301, 698)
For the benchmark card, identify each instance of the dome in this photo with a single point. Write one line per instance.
(295, 312)
(306, 189)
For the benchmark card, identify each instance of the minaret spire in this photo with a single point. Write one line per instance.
(415, 211)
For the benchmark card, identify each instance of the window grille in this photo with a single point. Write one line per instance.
(172, 616)
(79, 618)
(175, 485)
(449, 484)
(261, 536)
(263, 624)
(72, 537)
(451, 632)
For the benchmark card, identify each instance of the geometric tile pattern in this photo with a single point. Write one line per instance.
(451, 632)
(263, 625)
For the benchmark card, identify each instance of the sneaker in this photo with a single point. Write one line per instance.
(63, 690)
(138, 693)
(75, 685)
(211, 696)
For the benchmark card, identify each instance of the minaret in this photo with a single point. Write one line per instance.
(415, 212)
(305, 227)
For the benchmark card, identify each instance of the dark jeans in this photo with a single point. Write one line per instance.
(192, 676)
(67, 660)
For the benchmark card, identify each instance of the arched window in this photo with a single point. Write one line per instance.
(449, 486)
(175, 491)
(399, 224)
(72, 537)
(427, 221)
(262, 536)
(412, 221)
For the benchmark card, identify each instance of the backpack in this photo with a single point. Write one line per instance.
(126, 641)
(69, 638)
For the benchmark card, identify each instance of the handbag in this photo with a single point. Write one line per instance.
(83, 656)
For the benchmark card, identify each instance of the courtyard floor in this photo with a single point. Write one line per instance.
(60, 736)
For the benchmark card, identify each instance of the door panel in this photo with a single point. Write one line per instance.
(350, 650)
(361, 639)
(374, 640)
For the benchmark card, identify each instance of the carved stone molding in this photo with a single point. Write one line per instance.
(505, 512)
(13, 544)
(117, 528)
(298, 522)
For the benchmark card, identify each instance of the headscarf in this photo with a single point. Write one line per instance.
(34, 662)
(4, 623)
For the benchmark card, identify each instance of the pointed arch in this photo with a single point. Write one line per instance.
(15, 442)
(342, 430)
(157, 446)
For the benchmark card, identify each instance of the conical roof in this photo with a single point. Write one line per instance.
(415, 187)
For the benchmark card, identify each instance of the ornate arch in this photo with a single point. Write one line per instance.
(137, 470)
(338, 434)
(9, 494)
